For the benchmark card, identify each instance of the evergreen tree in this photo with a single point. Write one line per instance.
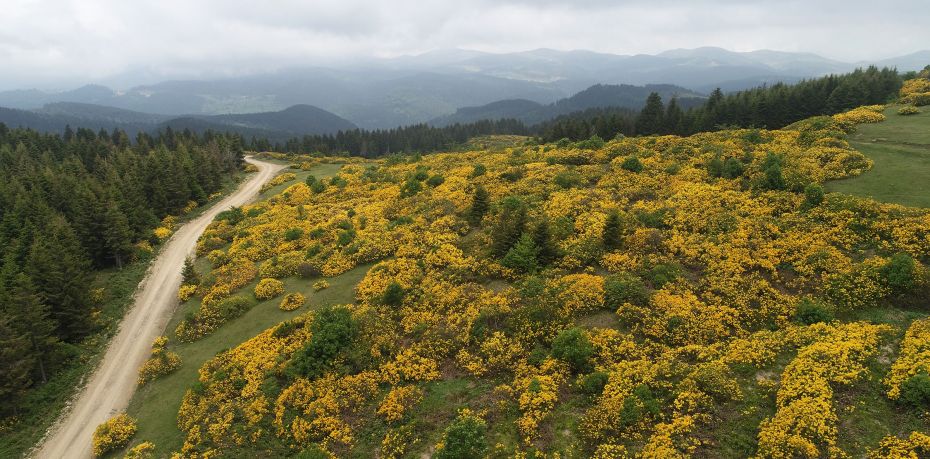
(545, 249)
(611, 234)
(674, 117)
(29, 318)
(651, 118)
(522, 256)
(16, 363)
(479, 205)
(510, 226)
(117, 234)
(188, 273)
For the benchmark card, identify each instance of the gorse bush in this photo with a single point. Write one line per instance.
(113, 434)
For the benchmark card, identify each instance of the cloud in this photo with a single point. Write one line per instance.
(61, 42)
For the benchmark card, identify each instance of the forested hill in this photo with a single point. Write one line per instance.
(769, 107)
(597, 96)
(74, 204)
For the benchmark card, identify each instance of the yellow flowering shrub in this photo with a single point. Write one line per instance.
(186, 292)
(913, 357)
(160, 363)
(114, 433)
(398, 401)
(916, 446)
(268, 289)
(161, 233)
(320, 285)
(144, 450)
(292, 301)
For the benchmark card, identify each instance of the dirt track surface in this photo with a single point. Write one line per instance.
(114, 381)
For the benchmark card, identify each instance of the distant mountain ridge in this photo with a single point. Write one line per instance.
(280, 125)
(385, 93)
(596, 96)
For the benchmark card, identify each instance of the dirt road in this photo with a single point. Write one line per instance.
(114, 380)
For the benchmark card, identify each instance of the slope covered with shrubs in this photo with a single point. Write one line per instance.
(644, 297)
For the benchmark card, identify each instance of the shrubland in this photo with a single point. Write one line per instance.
(609, 299)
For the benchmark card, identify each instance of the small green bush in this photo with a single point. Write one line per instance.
(623, 288)
(811, 312)
(593, 383)
(632, 164)
(573, 347)
(464, 438)
(915, 391)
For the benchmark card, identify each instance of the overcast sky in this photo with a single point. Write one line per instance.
(49, 43)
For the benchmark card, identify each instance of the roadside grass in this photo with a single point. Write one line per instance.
(42, 406)
(156, 404)
(900, 149)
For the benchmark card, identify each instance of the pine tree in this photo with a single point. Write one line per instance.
(523, 255)
(117, 234)
(30, 319)
(510, 226)
(673, 117)
(650, 119)
(479, 205)
(16, 363)
(611, 233)
(546, 251)
(188, 273)
(60, 273)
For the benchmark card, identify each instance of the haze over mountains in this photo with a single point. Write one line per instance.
(414, 89)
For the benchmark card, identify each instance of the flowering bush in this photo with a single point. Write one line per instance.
(114, 433)
(268, 289)
(320, 285)
(160, 363)
(908, 110)
(161, 233)
(398, 401)
(292, 301)
(186, 292)
(144, 450)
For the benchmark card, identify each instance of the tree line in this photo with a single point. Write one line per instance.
(74, 203)
(410, 139)
(770, 106)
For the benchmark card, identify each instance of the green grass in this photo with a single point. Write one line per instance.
(900, 149)
(41, 406)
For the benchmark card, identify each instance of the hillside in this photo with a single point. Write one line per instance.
(652, 296)
(279, 126)
(597, 96)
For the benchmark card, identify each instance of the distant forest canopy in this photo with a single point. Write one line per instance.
(769, 107)
(74, 203)
(418, 138)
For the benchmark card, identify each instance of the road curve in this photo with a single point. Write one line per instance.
(114, 381)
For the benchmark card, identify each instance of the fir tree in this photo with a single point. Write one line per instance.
(479, 205)
(611, 233)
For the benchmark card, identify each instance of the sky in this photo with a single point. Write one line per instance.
(62, 43)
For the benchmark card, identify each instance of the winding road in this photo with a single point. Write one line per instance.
(113, 382)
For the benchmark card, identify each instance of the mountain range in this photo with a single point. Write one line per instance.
(385, 93)
(276, 126)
